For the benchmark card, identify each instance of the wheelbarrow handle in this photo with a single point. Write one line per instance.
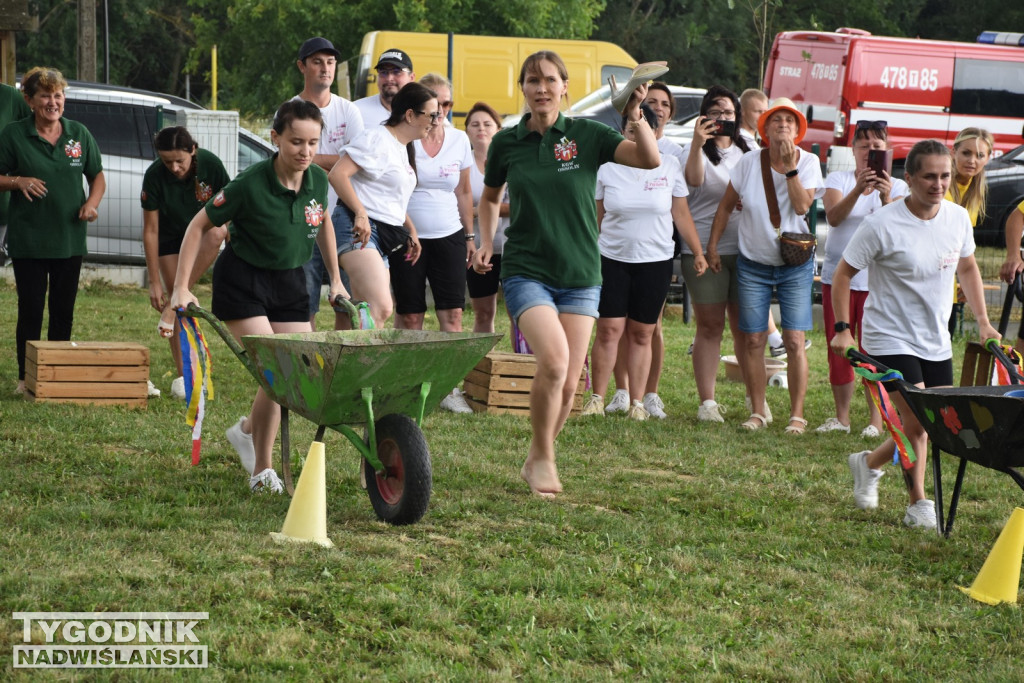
(195, 311)
(358, 311)
(342, 304)
(996, 350)
(852, 353)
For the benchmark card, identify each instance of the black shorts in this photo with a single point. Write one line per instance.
(634, 290)
(241, 290)
(168, 246)
(443, 262)
(933, 373)
(485, 284)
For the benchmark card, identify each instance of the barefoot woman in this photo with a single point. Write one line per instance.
(551, 268)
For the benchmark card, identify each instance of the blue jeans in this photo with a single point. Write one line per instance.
(522, 293)
(792, 286)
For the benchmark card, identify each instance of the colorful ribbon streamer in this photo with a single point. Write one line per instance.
(1002, 375)
(197, 367)
(904, 453)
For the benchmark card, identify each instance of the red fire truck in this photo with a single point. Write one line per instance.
(922, 88)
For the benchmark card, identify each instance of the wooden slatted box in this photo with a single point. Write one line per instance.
(87, 372)
(500, 384)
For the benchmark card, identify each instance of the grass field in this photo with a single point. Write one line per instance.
(679, 550)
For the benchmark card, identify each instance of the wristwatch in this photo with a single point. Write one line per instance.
(841, 326)
(793, 174)
(470, 236)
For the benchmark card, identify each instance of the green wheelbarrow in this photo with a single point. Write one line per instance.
(382, 380)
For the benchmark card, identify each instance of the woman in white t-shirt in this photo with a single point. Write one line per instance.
(913, 247)
(374, 178)
(482, 122)
(709, 159)
(850, 196)
(441, 208)
(636, 209)
(796, 180)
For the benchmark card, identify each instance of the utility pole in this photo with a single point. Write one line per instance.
(87, 40)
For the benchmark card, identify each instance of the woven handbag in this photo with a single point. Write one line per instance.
(794, 247)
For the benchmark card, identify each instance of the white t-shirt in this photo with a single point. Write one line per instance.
(758, 239)
(912, 265)
(385, 179)
(374, 113)
(637, 224)
(705, 198)
(671, 149)
(342, 123)
(839, 235)
(433, 207)
(476, 180)
(751, 138)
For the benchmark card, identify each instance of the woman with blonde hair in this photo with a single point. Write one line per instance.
(551, 265)
(972, 149)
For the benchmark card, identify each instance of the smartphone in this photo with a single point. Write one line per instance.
(725, 128)
(880, 160)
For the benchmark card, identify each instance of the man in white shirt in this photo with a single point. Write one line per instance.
(753, 103)
(394, 70)
(318, 62)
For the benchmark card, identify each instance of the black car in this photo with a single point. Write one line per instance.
(1005, 176)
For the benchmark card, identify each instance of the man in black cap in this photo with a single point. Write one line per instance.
(318, 61)
(394, 70)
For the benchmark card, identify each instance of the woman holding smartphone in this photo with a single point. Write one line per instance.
(851, 196)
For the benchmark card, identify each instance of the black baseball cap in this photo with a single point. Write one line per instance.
(317, 44)
(394, 57)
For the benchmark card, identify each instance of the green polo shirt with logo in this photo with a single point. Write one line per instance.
(48, 227)
(12, 108)
(178, 201)
(552, 233)
(271, 226)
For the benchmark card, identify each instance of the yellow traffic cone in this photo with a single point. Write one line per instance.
(999, 578)
(306, 521)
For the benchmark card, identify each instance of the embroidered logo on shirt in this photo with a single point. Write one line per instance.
(73, 149)
(203, 191)
(338, 134)
(219, 199)
(565, 150)
(449, 170)
(949, 260)
(314, 213)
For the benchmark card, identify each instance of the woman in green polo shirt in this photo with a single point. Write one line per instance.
(550, 265)
(275, 208)
(176, 186)
(45, 156)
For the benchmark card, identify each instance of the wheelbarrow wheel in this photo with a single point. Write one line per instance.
(402, 494)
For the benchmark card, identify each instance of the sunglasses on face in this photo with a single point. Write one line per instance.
(872, 125)
(445, 105)
(434, 115)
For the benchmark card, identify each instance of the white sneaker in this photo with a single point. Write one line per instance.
(455, 403)
(654, 406)
(833, 425)
(865, 481)
(709, 411)
(767, 411)
(243, 444)
(151, 390)
(619, 402)
(594, 405)
(637, 412)
(920, 515)
(780, 350)
(266, 481)
(870, 432)
(178, 387)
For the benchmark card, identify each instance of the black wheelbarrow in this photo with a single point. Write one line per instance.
(383, 380)
(979, 424)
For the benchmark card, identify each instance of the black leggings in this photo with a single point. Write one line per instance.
(31, 276)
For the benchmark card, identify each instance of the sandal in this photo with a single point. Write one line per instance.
(798, 428)
(754, 422)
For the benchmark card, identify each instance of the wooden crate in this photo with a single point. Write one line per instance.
(87, 372)
(500, 384)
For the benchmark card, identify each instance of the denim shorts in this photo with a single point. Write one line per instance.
(792, 287)
(346, 240)
(522, 293)
(314, 268)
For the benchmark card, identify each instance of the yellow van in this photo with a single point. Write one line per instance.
(486, 68)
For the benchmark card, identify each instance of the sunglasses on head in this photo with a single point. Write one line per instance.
(872, 125)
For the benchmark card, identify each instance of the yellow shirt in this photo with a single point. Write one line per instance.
(963, 191)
